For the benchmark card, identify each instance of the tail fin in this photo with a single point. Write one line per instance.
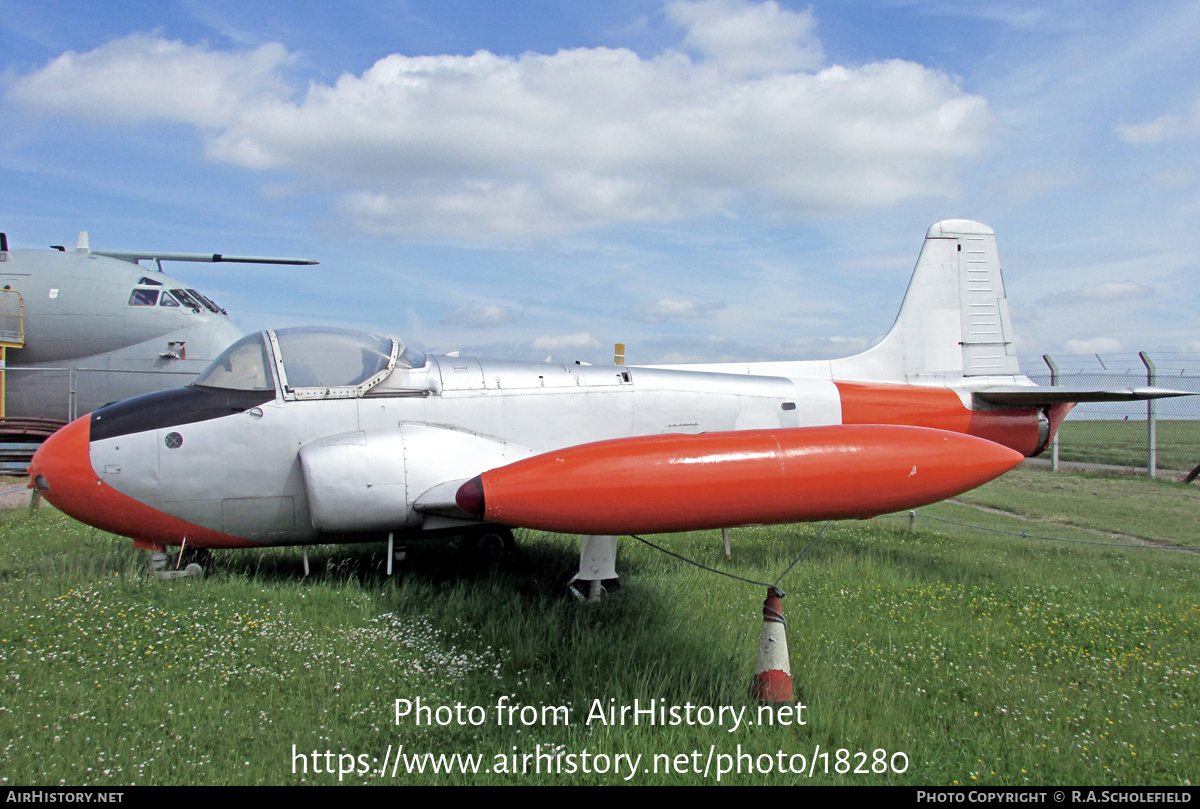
(954, 320)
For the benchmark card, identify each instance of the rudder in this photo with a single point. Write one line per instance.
(954, 320)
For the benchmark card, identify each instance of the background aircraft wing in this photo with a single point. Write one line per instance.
(135, 255)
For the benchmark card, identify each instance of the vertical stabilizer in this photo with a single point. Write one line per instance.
(954, 320)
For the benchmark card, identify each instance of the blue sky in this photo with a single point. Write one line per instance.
(705, 180)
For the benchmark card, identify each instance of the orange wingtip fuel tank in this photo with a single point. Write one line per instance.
(661, 483)
(62, 471)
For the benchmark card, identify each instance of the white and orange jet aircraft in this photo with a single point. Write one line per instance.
(314, 435)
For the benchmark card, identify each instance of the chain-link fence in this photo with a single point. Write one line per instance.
(39, 392)
(68, 392)
(1151, 436)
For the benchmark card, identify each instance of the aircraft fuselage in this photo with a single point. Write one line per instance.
(253, 468)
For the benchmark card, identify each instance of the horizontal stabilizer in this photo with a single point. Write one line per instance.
(1027, 395)
(135, 255)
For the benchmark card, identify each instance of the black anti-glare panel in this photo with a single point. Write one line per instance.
(170, 408)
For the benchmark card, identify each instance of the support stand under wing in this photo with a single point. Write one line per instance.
(597, 564)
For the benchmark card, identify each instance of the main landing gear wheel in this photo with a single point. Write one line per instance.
(165, 566)
(490, 544)
(195, 556)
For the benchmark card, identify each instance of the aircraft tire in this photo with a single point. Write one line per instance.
(200, 557)
(490, 544)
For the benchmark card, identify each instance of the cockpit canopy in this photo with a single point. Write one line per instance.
(245, 365)
(313, 362)
(318, 357)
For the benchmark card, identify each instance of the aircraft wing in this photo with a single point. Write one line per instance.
(135, 255)
(1027, 395)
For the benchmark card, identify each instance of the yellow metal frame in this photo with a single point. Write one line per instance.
(4, 346)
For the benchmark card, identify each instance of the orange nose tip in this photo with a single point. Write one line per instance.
(61, 469)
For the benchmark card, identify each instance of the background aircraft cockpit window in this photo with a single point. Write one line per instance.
(143, 297)
(167, 299)
(242, 366)
(186, 299)
(316, 357)
(149, 282)
(208, 304)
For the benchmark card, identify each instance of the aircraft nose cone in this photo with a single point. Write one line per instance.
(62, 471)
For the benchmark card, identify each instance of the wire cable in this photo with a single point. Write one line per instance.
(774, 586)
(697, 564)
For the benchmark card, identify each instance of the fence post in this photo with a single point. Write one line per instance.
(1054, 443)
(1151, 426)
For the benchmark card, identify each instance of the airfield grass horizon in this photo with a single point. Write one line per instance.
(985, 658)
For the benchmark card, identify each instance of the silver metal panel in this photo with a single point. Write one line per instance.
(757, 417)
(409, 382)
(238, 457)
(368, 480)
(434, 455)
(207, 513)
(259, 518)
(510, 375)
(459, 373)
(136, 456)
(355, 481)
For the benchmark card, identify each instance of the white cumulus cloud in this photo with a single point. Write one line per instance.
(482, 316)
(553, 343)
(143, 77)
(494, 148)
(1108, 291)
(1116, 291)
(1096, 345)
(671, 308)
(1162, 128)
(748, 37)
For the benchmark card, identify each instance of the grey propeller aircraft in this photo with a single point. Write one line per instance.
(81, 328)
(314, 435)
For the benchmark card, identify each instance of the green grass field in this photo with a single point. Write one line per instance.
(983, 658)
(1123, 443)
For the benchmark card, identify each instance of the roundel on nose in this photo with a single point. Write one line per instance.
(62, 471)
